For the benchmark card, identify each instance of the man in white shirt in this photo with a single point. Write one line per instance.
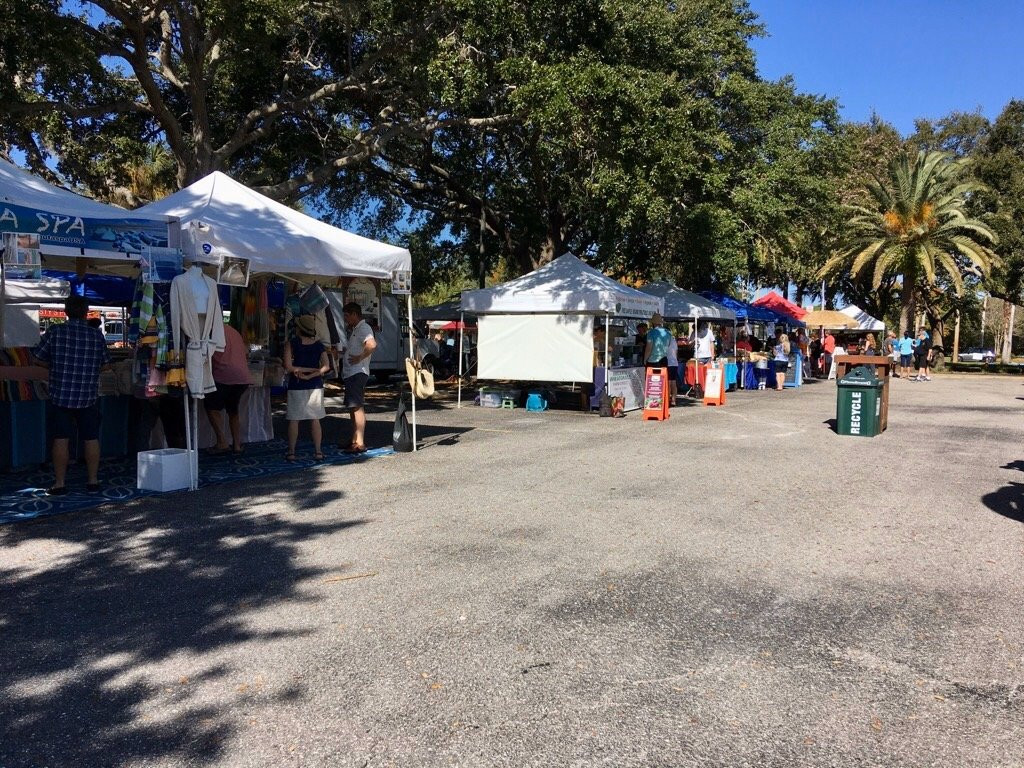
(704, 350)
(355, 371)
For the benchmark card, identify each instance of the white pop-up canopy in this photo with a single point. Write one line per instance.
(72, 226)
(565, 286)
(540, 327)
(223, 217)
(681, 304)
(866, 321)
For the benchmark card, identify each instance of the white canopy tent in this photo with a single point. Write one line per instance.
(565, 286)
(866, 321)
(681, 304)
(221, 216)
(72, 226)
(540, 326)
(73, 233)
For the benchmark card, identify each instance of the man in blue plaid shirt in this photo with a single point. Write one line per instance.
(74, 353)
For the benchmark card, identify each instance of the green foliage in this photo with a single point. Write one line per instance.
(917, 227)
(999, 165)
(635, 133)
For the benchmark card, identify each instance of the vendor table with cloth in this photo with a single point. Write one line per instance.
(794, 374)
(731, 373)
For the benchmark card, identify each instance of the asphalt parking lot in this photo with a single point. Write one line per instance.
(738, 586)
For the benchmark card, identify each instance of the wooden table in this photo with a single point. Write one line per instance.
(883, 370)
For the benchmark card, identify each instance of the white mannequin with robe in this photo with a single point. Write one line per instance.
(195, 311)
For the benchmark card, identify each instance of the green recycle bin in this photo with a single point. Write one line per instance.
(859, 403)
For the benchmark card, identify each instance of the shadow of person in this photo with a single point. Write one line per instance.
(1007, 501)
(1018, 465)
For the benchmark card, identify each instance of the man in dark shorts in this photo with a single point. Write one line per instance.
(355, 372)
(231, 374)
(74, 353)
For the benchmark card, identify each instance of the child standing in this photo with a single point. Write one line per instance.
(305, 360)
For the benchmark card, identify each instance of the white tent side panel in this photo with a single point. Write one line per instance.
(536, 347)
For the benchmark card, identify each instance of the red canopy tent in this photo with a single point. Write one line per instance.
(774, 301)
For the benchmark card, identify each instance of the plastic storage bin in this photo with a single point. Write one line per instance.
(165, 469)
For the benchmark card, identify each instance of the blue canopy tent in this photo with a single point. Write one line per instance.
(749, 313)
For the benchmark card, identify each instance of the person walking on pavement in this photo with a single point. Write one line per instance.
(355, 372)
(906, 347)
(922, 355)
(75, 354)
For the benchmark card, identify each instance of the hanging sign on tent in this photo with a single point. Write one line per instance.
(160, 265)
(401, 281)
(120, 235)
(365, 293)
(22, 260)
(233, 270)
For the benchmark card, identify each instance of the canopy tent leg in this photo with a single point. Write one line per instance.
(195, 444)
(412, 354)
(462, 325)
(188, 438)
(607, 320)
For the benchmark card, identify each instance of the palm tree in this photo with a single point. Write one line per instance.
(915, 227)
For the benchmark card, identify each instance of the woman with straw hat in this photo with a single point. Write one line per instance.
(305, 360)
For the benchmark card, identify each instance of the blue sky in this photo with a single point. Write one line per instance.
(903, 59)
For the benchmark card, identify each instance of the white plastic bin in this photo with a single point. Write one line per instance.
(165, 469)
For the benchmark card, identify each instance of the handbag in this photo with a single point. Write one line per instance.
(420, 379)
(401, 434)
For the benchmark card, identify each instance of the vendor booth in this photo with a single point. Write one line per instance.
(540, 328)
(45, 228)
(756, 368)
(225, 223)
(681, 304)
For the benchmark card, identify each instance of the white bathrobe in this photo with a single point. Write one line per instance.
(203, 340)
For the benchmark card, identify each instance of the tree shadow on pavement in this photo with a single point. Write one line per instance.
(1008, 501)
(95, 599)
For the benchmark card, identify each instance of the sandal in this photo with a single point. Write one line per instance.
(289, 457)
(318, 456)
(356, 449)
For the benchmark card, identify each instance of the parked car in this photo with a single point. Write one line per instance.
(113, 331)
(978, 355)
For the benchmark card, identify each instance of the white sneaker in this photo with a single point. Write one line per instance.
(927, 378)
